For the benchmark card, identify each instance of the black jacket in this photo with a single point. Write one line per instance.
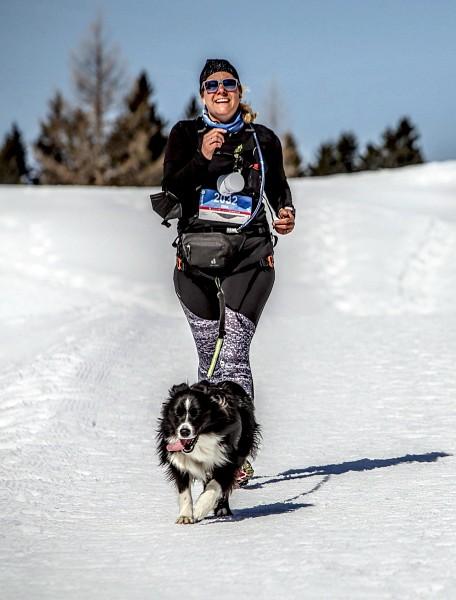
(186, 170)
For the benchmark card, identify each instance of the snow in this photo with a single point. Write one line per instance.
(354, 495)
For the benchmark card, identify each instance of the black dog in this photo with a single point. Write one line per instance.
(206, 431)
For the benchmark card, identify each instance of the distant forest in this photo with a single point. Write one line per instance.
(89, 143)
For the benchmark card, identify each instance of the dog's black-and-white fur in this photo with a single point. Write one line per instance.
(206, 431)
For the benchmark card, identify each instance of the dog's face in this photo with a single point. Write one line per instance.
(187, 414)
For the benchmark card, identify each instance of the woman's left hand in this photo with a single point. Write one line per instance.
(286, 221)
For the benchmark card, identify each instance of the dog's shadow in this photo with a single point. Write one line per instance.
(326, 471)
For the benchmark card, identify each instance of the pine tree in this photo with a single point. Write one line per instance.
(193, 108)
(137, 141)
(326, 160)
(64, 148)
(13, 166)
(98, 76)
(291, 158)
(347, 153)
(338, 157)
(371, 159)
(71, 148)
(398, 148)
(399, 145)
(274, 107)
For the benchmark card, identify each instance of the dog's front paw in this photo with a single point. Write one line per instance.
(198, 516)
(184, 520)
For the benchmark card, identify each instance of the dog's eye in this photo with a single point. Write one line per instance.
(193, 412)
(180, 411)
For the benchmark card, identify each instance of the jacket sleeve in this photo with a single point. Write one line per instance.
(277, 188)
(184, 165)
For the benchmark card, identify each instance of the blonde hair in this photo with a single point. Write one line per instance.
(248, 114)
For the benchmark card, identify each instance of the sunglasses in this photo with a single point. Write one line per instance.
(212, 85)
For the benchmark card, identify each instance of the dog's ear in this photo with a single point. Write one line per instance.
(219, 397)
(202, 386)
(178, 389)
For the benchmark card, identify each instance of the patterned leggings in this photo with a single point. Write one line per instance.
(246, 294)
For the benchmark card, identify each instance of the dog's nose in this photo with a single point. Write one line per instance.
(184, 432)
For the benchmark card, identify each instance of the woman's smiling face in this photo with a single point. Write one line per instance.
(222, 105)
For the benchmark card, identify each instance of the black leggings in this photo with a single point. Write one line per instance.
(245, 292)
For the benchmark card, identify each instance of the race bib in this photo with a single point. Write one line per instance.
(234, 208)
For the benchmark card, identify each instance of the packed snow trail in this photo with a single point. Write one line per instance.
(354, 494)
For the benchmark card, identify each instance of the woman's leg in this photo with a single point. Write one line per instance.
(198, 297)
(234, 358)
(246, 294)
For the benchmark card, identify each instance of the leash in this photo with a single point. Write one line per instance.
(221, 333)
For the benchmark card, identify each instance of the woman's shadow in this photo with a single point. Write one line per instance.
(326, 471)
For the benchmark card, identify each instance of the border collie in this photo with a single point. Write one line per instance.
(206, 431)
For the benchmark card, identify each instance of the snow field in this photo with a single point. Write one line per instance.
(355, 385)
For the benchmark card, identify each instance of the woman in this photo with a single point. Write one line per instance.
(198, 153)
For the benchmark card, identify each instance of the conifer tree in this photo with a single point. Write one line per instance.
(64, 148)
(13, 166)
(98, 77)
(291, 158)
(71, 148)
(399, 145)
(274, 107)
(193, 108)
(135, 146)
(326, 160)
(347, 153)
(338, 157)
(371, 159)
(398, 148)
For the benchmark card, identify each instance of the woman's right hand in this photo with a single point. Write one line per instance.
(212, 140)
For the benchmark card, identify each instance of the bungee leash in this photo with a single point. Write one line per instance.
(221, 333)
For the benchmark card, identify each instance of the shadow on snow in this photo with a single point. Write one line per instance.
(288, 505)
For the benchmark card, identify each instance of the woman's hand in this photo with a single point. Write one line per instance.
(212, 140)
(286, 221)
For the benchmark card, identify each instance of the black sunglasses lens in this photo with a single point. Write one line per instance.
(230, 84)
(211, 86)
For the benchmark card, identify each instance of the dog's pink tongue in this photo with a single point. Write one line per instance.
(175, 447)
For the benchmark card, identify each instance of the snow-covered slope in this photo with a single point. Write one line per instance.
(354, 365)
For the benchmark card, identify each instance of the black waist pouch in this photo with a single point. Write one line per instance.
(211, 250)
(166, 205)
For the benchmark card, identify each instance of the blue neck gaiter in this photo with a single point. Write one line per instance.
(232, 127)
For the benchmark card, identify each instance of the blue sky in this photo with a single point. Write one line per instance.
(337, 65)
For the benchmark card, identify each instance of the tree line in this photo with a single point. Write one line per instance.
(91, 142)
(398, 147)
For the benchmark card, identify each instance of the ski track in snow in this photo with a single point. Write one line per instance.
(355, 384)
